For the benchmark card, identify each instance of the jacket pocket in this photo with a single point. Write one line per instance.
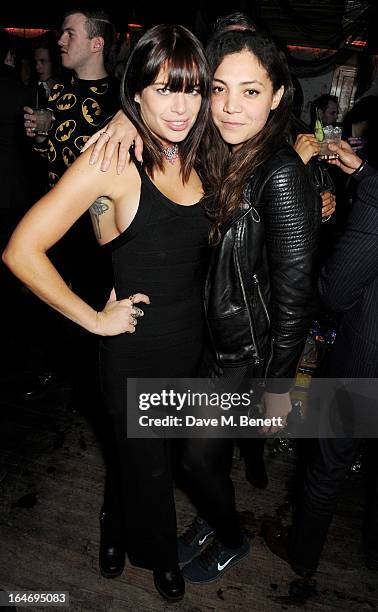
(232, 339)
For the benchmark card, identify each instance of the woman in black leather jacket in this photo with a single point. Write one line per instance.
(259, 293)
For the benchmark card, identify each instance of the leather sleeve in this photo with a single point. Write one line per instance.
(292, 219)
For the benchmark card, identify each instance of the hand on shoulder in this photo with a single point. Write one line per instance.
(114, 142)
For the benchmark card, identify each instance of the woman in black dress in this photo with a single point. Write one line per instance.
(153, 221)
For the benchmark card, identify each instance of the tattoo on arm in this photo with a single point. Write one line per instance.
(98, 208)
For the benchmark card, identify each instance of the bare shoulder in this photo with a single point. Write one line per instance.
(116, 202)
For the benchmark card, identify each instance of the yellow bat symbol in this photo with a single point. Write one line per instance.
(64, 130)
(68, 156)
(80, 141)
(66, 102)
(51, 152)
(91, 111)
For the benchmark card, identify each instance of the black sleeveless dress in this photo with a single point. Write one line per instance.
(164, 254)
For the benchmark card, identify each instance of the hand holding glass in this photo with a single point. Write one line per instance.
(43, 119)
(332, 135)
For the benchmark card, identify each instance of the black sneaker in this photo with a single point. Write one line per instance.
(213, 561)
(191, 542)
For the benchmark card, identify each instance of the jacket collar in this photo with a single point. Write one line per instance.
(252, 189)
(244, 208)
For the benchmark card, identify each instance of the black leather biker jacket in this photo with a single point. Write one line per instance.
(260, 292)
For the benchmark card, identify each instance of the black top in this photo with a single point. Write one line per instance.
(163, 253)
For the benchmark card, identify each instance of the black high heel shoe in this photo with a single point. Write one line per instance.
(169, 583)
(112, 552)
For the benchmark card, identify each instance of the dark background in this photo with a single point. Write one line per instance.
(312, 22)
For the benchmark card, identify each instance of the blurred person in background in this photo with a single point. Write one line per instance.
(17, 185)
(47, 68)
(325, 108)
(348, 285)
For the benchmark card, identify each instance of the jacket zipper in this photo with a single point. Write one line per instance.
(257, 284)
(269, 360)
(256, 355)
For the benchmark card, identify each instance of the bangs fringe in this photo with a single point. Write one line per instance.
(183, 74)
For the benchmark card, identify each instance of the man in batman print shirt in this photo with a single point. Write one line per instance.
(84, 100)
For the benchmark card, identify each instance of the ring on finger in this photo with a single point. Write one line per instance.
(137, 312)
(133, 321)
(106, 134)
(131, 298)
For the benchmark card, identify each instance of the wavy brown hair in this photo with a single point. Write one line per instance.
(181, 52)
(227, 175)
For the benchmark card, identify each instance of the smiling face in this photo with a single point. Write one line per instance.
(169, 115)
(242, 98)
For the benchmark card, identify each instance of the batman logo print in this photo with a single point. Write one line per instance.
(100, 90)
(68, 156)
(64, 130)
(91, 111)
(56, 91)
(51, 152)
(80, 141)
(66, 101)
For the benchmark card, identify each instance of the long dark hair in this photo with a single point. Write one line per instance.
(177, 49)
(228, 174)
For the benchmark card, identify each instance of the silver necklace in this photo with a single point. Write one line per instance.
(171, 153)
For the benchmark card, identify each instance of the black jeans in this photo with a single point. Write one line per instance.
(207, 463)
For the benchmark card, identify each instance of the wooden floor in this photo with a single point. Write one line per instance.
(51, 479)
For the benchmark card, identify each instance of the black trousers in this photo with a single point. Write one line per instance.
(328, 466)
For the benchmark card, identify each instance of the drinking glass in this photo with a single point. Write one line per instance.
(332, 135)
(43, 118)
